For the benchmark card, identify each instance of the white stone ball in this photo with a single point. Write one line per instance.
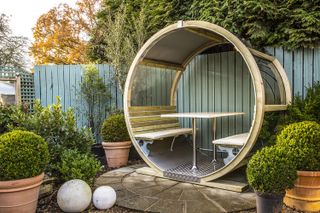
(74, 196)
(104, 197)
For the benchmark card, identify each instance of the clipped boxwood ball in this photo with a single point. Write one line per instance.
(23, 154)
(104, 197)
(302, 144)
(74, 196)
(114, 129)
(269, 172)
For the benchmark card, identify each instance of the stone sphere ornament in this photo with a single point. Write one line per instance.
(74, 196)
(104, 197)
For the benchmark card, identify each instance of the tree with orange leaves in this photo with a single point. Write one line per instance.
(61, 35)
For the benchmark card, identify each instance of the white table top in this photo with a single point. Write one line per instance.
(201, 114)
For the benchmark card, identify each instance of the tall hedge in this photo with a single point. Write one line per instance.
(288, 23)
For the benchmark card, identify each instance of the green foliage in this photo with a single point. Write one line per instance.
(22, 155)
(307, 108)
(5, 117)
(57, 127)
(301, 142)
(269, 128)
(114, 129)
(269, 172)
(292, 24)
(75, 165)
(116, 41)
(124, 25)
(95, 93)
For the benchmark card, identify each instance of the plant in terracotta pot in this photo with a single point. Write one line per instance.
(116, 140)
(23, 158)
(269, 174)
(301, 141)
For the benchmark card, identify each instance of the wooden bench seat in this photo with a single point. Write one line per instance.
(232, 141)
(148, 125)
(164, 133)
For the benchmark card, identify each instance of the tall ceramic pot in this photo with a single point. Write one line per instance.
(117, 153)
(20, 195)
(305, 195)
(269, 203)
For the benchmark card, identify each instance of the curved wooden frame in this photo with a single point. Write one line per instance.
(256, 77)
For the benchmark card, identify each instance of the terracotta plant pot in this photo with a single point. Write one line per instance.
(20, 195)
(305, 195)
(269, 203)
(117, 153)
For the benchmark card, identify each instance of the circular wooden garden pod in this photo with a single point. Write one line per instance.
(157, 71)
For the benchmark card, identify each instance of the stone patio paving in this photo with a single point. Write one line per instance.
(154, 194)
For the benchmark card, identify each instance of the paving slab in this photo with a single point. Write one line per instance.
(155, 194)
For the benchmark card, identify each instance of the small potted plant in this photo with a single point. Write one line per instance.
(269, 174)
(116, 139)
(301, 141)
(23, 158)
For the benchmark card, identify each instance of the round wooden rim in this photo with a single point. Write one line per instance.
(256, 77)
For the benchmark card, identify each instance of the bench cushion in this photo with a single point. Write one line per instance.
(164, 133)
(234, 140)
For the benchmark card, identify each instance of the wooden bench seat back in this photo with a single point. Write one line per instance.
(145, 119)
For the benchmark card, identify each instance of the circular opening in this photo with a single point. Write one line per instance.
(194, 76)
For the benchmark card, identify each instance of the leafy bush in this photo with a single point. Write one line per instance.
(306, 109)
(5, 117)
(302, 144)
(57, 127)
(23, 154)
(291, 23)
(74, 165)
(269, 172)
(269, 128)
(95, 93)
(114, 129)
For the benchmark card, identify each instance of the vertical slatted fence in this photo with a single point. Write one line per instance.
(65, 80)
(201, 88)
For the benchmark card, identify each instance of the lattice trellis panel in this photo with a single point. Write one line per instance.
(27, 83)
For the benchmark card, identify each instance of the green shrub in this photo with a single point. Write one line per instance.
(74, 165)
(302, 144)
(114, 129)
(22, 155)
(306, 109)
(6, 113)
(57, 127)
(269, 172)
(95, 94)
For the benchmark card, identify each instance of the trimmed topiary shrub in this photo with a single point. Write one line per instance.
(301, 142)
(269, 172)
(75, 165)
(23, 154)
(114, 129)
